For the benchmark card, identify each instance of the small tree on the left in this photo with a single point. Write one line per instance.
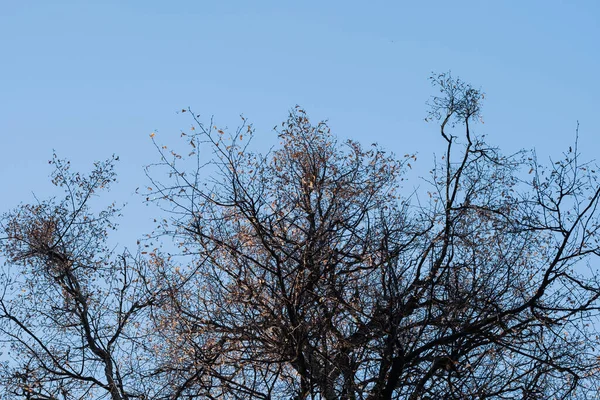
(71, 310)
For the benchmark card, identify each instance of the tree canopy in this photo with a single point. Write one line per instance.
(310, 271)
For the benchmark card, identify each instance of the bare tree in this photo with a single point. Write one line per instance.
(73, 314)
(314, 277)
(307, 272)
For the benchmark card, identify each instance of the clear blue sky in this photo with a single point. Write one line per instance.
(92, 78)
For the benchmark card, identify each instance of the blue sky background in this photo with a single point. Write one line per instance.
(92, 78)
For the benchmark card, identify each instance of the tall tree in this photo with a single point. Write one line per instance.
(318, 278)
(308, 272)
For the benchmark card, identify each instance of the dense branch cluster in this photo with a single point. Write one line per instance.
(307, 273)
